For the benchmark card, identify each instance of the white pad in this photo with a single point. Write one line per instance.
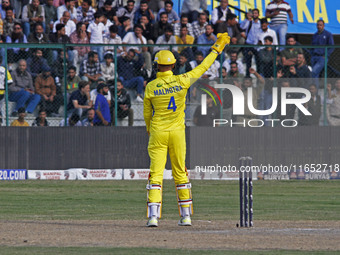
(154, 209)
(184, 211)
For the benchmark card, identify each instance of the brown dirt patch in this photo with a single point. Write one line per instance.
(297, 235)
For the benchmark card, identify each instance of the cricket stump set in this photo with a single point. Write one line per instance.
(246, 191)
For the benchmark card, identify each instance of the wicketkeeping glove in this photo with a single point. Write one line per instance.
(221, 42)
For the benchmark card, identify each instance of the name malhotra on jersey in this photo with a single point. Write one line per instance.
(174, 89)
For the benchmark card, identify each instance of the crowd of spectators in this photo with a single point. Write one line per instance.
(38, 73)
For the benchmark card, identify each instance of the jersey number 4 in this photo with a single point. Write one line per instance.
(172, 104)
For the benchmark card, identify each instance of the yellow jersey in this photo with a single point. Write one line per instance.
(17, 123)
(164, 100)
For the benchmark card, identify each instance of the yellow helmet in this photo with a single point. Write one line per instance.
(165, 57)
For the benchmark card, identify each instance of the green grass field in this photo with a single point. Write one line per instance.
(125, 200)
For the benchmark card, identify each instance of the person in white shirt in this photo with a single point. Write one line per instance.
(233, 58)
(212, 72)
(219, 14)
(95, 33)
(70, 26)
(70, 6)
(108, 68)
(136, 37)
(167, 38)
(264, 33)
(107, 24)
(113, 38)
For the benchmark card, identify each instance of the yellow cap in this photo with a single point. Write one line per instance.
(165, 57)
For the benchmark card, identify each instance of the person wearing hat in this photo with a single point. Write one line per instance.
(102, 107)
(20, 122)
(46, 88)
(164, 105)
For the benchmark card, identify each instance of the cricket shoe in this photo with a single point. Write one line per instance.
(185, 221)
(152, 222)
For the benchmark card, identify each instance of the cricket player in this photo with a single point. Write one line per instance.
(164, 105)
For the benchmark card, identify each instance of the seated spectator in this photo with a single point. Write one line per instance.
(5, 5)
(300, 73)
(265, 32)
(198, 26)
(79, 37)
(183, 22)
(219, 15)
(213, 112)
(9, 21)
(94, 92)
(147, 29)
(127, 11)
(108, 10)
(3, 81)
(233, 58)
(72, 121)
(50, 15)
(168, 8)
(21, 90)
(143, 10)
(127, 67)
(159, 27)
(333, 104)
(20, 122)
(123, 104)
(237, 36)
(88, 121)
(95, 32)
(58, 67)
(69, 6)
(125, 27)
(85, 12)
(113, 38)
(183, 65)
(192, 8)
(102, 107)
(38, 36)
(72, 81)
(213, 70)
(41, 120)
(207, 38)
(108, 68)
(107, 24)
(36, 63)
(90, 69)
(314, 107)
(289, 55)
(46, 88)
(266, 59)
(136, 37)
(17, 36)
(79, 100)
(60, 37)
(167, 38)
(184, 38)
(31, 14)
(70, 26)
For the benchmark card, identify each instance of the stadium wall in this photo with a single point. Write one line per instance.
(126, 147)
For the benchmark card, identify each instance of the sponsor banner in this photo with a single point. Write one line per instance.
(299, 174)
(98, 174)
(13, 174)
(143, 174)
(51, 175)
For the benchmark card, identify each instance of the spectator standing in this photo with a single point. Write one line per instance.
(168, 8)
(88, 121)
(41, 120)
(289, 55)
(102, 107)
(9, 22)
(113, 38)
(123, 104)
(22, 90)
(31, 14)
(90, 69)
(36, 63)
(69, 6)
(207, 38)
(126, 11)
(192, 8)
(265, 32)
(79, 100)
(252, 26)
(80, 37)
(333, 104)
(219, 15)
(314, 107)
(17, 36)
(277, 11)
(20, 122)
(127, 67)
(143, 10)
(50, 15)
(300, 73)
(183, 22)
(85, 12)
(95, 32)
(198, 26)
(266, 59)
(70, 26)
(321, 37)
